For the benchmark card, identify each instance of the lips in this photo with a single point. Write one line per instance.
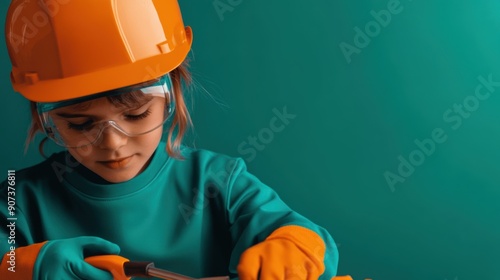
(118, 163)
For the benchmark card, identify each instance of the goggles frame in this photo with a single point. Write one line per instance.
(147, 88)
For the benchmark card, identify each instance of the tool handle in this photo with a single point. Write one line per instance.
(111, 263)
(137, 268)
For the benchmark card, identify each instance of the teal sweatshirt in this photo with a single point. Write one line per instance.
(194, 216)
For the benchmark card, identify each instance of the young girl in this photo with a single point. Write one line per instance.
(104, 79)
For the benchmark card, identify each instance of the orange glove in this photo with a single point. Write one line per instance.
(290, 252)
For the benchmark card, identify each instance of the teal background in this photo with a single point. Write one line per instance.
(353, 121)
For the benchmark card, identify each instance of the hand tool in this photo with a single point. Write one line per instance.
(123, 269)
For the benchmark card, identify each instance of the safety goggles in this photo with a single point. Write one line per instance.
(133, 111)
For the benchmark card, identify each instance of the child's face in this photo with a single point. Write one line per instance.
(115, 157)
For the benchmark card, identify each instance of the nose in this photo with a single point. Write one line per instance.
(112, 139)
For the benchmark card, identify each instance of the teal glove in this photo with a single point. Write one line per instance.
(64, 259)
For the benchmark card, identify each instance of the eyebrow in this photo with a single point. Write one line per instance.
(70, 115)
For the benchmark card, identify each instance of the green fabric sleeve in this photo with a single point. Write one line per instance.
(18, 257)
(254, 211)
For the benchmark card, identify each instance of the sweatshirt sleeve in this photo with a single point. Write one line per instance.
(254, 211)
(17, 249)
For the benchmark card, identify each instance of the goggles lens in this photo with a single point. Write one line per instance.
(133, 111)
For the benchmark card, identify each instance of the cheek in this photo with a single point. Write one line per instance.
(82, 154)
(151, 140)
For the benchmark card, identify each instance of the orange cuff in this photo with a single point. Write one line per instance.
(19, 264)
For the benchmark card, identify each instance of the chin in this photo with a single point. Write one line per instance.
(117, 176)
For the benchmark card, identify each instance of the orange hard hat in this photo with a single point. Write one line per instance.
(64, 49)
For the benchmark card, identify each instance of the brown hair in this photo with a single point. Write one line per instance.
(181, 118)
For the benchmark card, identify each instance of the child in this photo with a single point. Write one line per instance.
(87, 68)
